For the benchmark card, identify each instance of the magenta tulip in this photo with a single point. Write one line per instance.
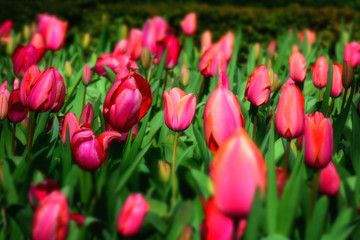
(171, 43)
(23, 58)
(5, 31)
(70, 122)
(16, 111)
(337, 87)
(320, 72)
(297, 67)
(4, 100)
(52, 30)
(38, 42)
(188, 25)
(310, 35)
(352, 54)
(206, 41)
(87, 115)
(154, 30)
(135, 44)
(39, 191)
(329, 183)
(86, 75)
(258, 87)
(118, 63)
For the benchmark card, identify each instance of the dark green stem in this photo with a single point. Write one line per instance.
(314, 189)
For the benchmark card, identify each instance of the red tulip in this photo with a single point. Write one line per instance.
(179, 109)
(154, 30)
(222, 116)
(118, 63)
(127, 101)
(310, 35)
(173, 50)
(42, 91)
(51, 218)
(320, 72)
(5, 31)
(88, 151)
(78, 218)
(272, 47)
(289, 118)
(73, 123)
(4, 100)
(188, 25)
(132, 215)
(38, 192)
(258, 87)
(23, 58)
(352, 54)
(318, 140)
(52, 30)
(280, 180)
(86, 75)
(205, 41)
(87, 115)
(329, 183)
(38, 42)
(297, 67)
(337, 87)
(16, 111)
(239, 169)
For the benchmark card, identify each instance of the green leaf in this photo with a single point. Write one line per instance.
(234, 58)
(203, 182)
(254, 220)
(202, 146)
(183, 214)
(343, 226)
(110, 73)
(325, 102)
(317, 223)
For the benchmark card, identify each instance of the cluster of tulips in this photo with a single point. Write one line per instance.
(152, 72)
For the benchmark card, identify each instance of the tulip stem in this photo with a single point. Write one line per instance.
(314, 189)
(13, 140)
(164, 87)
(286, 161)
(320, 95)
(235, 228)
(94, 186)
(173, 169)
(255, 110)
(344, 99)
(32, 121)
(84, 97)
(330, 108)
(202, 83)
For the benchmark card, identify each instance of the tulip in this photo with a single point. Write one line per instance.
(274, 80)
(222, 116)
(51, 218)
(318, 140)
(23, 58)
(257, 49)
(52, 30)
(145, 58)
(329, 183)
(226, 45)
(132, 215)
(40, 191)
(86, 75)
(212, 61)
(188, 25)
(179, 109)
(5, 31)
(135, 44)
(297, 67)
(320, 72)
(223, 80)
(337, 87)
(42, 91)
(125, 135)
(118, 63)
(86, 40)
(154, 30)
(347, 75)
(184, 75)
(121, 47)
(310, 35)
(38, 42)
(127, 102)
(72, 122)
(68, 69)
(164, 170)
(258, 87)
(239, 169)
(173, 50)
(352, 54)
(16, 83)
(16, 111)
(205, 41)
(87, 115)
(280, 180)
(272, 47)
(289, 118)
(4, 99)
(90, 152)
(78, 218)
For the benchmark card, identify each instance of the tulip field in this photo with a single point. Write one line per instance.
(167, 134)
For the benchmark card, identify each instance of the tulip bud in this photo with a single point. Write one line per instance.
(297, 67)
(164, 170)
(38, 192)
(86, 75)
(171, 43)
(239, 169)
(121, 64)
(10, 45)
(257, 49)
(73, 123)
(205, 41)
(124, 31)
(320, 72)
(258, 87)
(4, 99)
(184, 75)
(51, 218)
(310, 36)
(78, 218)
(280, 180)
(347, 75)
(132, 215)
(318, 140)
(16, 111)
(38, 42)
(87, 115)
(26, 32)
(337, 87)
(186, 233)
(68, 69)
(86, 40)
(188, 25)
(274, 80)
(329, 183)
(272, 47)
(179, 109)
(145, 58)
(16, 83)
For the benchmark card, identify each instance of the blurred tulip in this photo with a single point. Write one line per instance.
(281, 182)
(5, 31)
(257, 49)
(88, 151)
(179, 109)
(42, 91)
(239, 169)
(171, 43)
(135, 44)
(9, 45)
(87, 115)
(272, 47)
(222, 116)
(337, 87)
(132, 215)
(4, 100)
(212, 60)
(39, 191)
(186, 234)
(154, 30)
(164, 170)
(310, 35)
(329, 183)
(297, 67)
(347, 75)
(68, 69)
(38, 42)
(16, 83)
(16, 111)
(223, 80)
(51, 218)
(124, 135)
(205, 41)
(78, 218)
(145, 58)
(352, 53)
(119, 63)
(184, 75)
(86, 75)
(73, 123)
(320, 72)
(318, 140)
(188, 25)
(127, 102)
(23, 58)
(226, 45)
(289, 118)
(274, 80)
(86, 40)
(26, 32)
(52, 30)
(258, 87)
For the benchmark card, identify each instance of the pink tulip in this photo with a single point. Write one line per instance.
(224, 80)
(88, 151)
(73, 123)
(5, 31)
(337, 87)
(289, 118)
(329, 183)
(352, 54)
(222, 116)
(38, 42)
(318, 140)
(135, 44)
(51, 218)
(121, 47)
(179, 109)
(280, 180)
(239, 169)
(320, 72)
(297, 67)
(310, 35)
(16, 83)
(38, 192)
(272, 47)
(4, 100)
(86, 75)
(16, 110)
(124, 136)
(132, 215)
(205, 41)
(23, 58)
(212, 61)
(52, 30)
(87, 115)
(258, 87)
(226, 45)
(188, 25)
(118, 63)
(173, 50)
(154, 30)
